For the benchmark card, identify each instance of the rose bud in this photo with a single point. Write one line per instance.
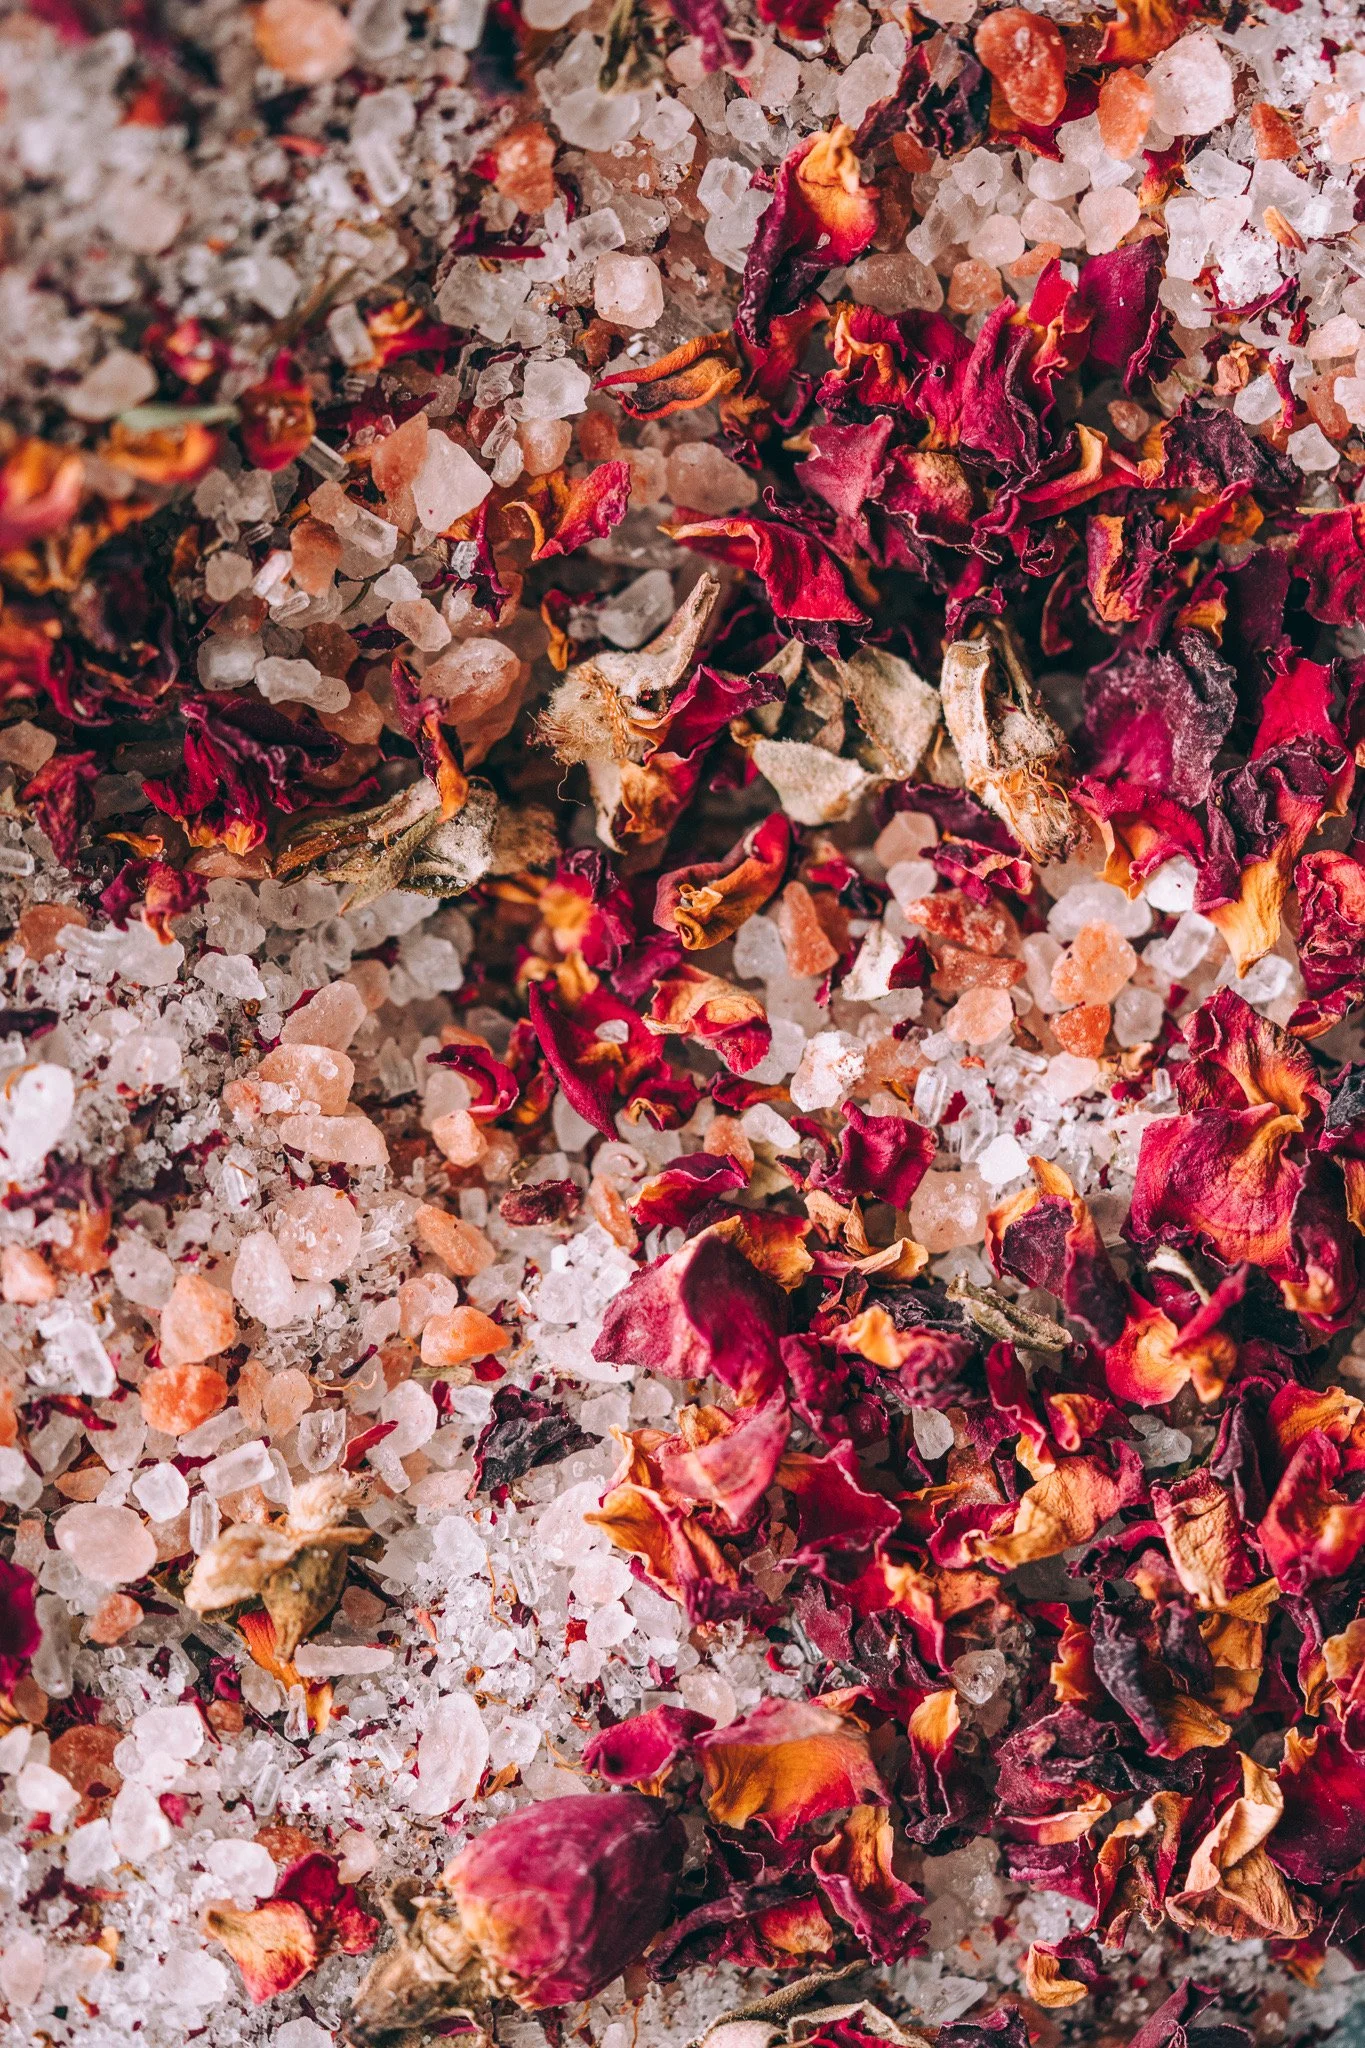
(545, 1908)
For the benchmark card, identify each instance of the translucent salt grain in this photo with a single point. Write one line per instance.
(1172, 887)
(1069, 1075)
(246, 1870)
(196, 1323)
(1312, 450)
(1095, 967)
(1138, 1014)
(638, 612)
(1192, 86)
(138, 1828)
(1107, 217)
(1003, 1160)
(231, 975)
(118, 382)
(830, 1066)
(318, 1231)
(474, 676)
(42, 1790)
(999, 239)
(1093, 902)
(1124, 112)
(411, 1407)
(905, 838)
(948, 1210)
(38, 1106)
(705, 480)
(979, 1675)
(331, 1018)
(452, 1753)
(461, 1248)
(554, 390)
(934, 1433)
(176, 1732)
(262, 1281)
(248, 1465)
(113, 1546)
(979, 1015)
(628, 290)
(25, 1276)
(161, 1492)
(317, 1074)
(449, 484)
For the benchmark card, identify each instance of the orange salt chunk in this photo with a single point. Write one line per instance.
(42, 924)
(1026, 57)
(1094, 967)
(461, 1248)
(197, 1322)
(24, 1276)
(726, 1139)
(1083, 1030)
(979, 1015)
(1124, 112)
(803, 936)
(110, 1622)
(462, 1336)
(177, 1398)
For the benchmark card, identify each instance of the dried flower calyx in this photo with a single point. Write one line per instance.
(295, 1567)
(1013, 756)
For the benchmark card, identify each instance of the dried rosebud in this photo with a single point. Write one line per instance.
(545, 1908)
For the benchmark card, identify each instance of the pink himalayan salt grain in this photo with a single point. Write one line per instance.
(111, 1546)
(458, 1138)
(1083, 1030)
(371, 977)
(332, 1017)
(287, 1396)
(948, 1211)
(726, 1139)
(908, 836)
(424, 1296)
(320, 1075)
(1124, 113)
(111, 1621)
(41, 927)
(462, 1336)
(974, 287)
(979, 1015)
(177, 1398)
(306, 40)
(335, 1140)
(1094, 967)
(461, 1248)
(397, 460)
(24, 1276)
(359, 723)
(197, 1322)
(544, 444)
(319, 1231)
(1026, 56)
(803, 936)
(315, 553)
(474, 677)
(525, 171)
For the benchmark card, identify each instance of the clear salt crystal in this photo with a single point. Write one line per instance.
(1138, 1014)
(339, 1660)
(1312, 450)
(638, 612)
(1098, 903)
(830, 1065)
(1192, 81)
(142, 1272)
(161, 1492)
(933, 1432)
(38, 1106)
(1184, 948)
(262, 1281)
(245, 1869)
(205, 1521)
(449, 484)
(138, 1828)
(1172, 887)
(452, 1752)
(118, 382)
(1002, 1161)
(248, 1465)
(232, 975)
(553, 390)
(979, 1675)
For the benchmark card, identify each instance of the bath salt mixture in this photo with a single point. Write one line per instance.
(682, 918)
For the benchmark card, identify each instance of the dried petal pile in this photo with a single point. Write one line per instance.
(682, 1319)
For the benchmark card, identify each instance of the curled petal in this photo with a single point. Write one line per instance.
(1066, 1507)
(733, 1023)
(788, 1763)
(273, 1945)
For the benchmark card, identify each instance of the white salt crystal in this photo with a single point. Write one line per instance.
(118, 382)
(722, 184)
(1312, 450)
(1171, 888)
(934, 1434)
(554, 390)
(638, 612)
(191, 1978)
(244, 1869)
(300, 682)
(43, 1790)
(145, 1060)
(161, 1492)
(38, 1106)
(1094, 903)
(262, 1281)
(248, 1465)
(1003, 1160)
(231, 975)
(999, 239)
(137, 1826)
(628, 290)
(452, 1752)
(142, 1272)
(305, 2033)
(449, 483)
(90, 1852)
(411, 1407)
(1138, 1014)
(1069, 1075)
(830, 1065)
(1258, 401)
(175, 1732)
(979, 1675)
(1193, 86)
(1107, 217)
(23, 1966)
(110, 1545)
(339, 1660)
(457, 1551)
